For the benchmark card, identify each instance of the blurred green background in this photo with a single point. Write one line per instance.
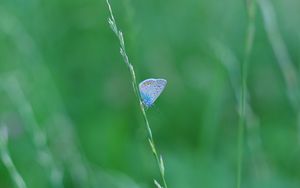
(74, 121)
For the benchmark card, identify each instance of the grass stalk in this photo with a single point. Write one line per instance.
(7, 160)
(252, 125)
(123, 53)
(34, 67)
(288, 69)
(44, 155)
(242, 112)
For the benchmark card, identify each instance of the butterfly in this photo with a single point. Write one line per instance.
(150, 90)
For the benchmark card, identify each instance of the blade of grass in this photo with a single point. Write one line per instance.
(289, 71)
(44, 155)
(61, 129)
(119, 35)
(231, 64)
(242, 111)
(7, 160)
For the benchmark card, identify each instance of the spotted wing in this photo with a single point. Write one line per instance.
(150, 90)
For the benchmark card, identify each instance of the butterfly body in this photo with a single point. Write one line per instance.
(150, 90)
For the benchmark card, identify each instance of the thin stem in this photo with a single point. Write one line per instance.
(7, 160)
(231, 64)
(34, 67)
(242, 120)
(44, 155)
(287, 67)
(119, 34)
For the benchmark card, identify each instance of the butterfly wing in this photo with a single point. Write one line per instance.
(150, 90)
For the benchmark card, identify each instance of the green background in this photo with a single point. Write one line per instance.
(65, 93)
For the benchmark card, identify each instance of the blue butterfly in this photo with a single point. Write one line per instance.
(150, 90)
